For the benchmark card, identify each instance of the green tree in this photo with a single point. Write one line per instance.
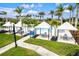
(41, 14)
(29, 16)
(77, 11)
(51, 13)
(70, 8)
(4, 13)
(19, 11)
(58, 13)
(60, 10)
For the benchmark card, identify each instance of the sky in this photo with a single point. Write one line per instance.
(33, 8)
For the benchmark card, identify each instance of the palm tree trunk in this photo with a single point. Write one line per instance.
(21, 23)
(76, 20)
(40, 17)
(6, 19)
(72, 18)
(58, 17)
(61, 19)
(20, 18)
(52, 16)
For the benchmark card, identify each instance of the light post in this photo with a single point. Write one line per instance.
(14, 35)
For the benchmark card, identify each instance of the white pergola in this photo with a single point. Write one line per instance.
(8, 25)
(66, 34)
(19, 25)
(66, 26)
(43, 28)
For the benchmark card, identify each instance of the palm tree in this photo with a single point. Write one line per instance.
(4, 13)
(29, 15)
(77, 10)
(51, 13)
(19, 11)
(41, 14)
(60, 10)
(58, 13)
(70, 8)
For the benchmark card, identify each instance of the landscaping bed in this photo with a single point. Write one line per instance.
(59, 48)
(19, 52)
(6, 39)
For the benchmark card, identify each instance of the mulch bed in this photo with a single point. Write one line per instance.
(76, 35)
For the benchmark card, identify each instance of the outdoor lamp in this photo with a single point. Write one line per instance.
(14, 35)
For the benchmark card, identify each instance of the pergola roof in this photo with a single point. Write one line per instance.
(8, 24)
(19, 24)
(67, 26)
(43, 25)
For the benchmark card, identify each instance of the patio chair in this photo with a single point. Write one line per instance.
(65, 37)
(54, 38)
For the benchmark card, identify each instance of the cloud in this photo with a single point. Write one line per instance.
(65, 6)
(67, 11)
(10, 12)
(32, 5)
(57, 4)
(23, 14)
(25, 6)
(6, 9)
(32, 12)
(29, 12)
(39, 5)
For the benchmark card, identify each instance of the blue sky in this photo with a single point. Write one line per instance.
(32, 7)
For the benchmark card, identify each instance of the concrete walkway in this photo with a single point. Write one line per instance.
(40, 50)
(6, 48)
(9, 46)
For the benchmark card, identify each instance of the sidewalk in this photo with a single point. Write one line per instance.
(40, 50)
(6, 48)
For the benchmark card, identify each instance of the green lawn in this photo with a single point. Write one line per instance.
(19, 52)
(78, 27)
(6, 39)
(56, 47)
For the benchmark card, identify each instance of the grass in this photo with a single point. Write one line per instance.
(78, 27)
(59, 48)
(19, 52)
(6, 39)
